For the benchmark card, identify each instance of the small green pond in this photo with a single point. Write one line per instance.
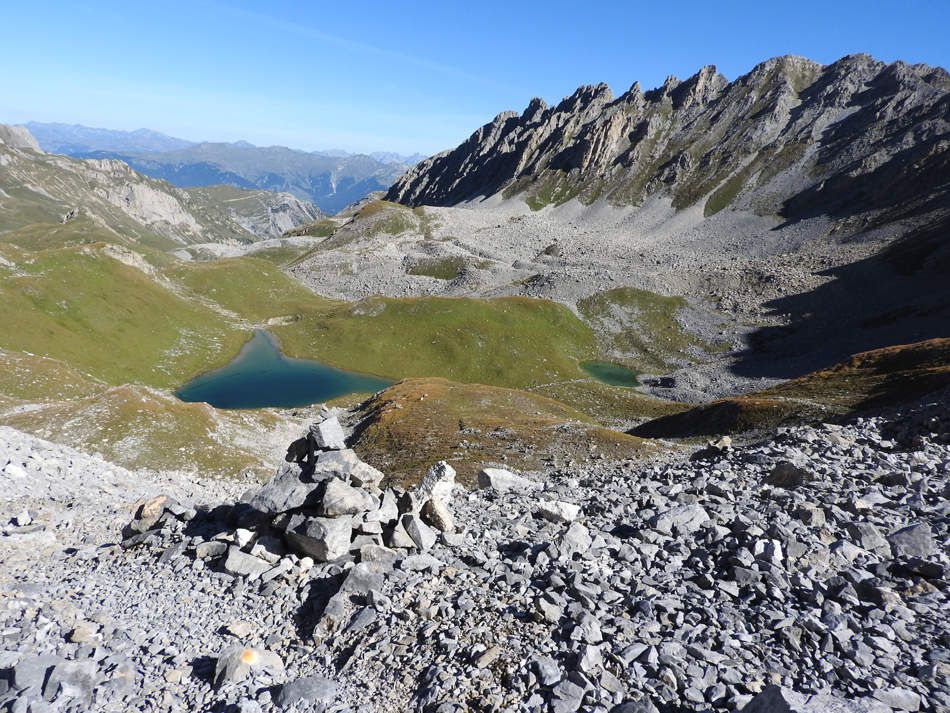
(261, 376)
(610, 373)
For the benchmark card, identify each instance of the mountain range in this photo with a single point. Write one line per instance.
(800, 213)
(847, 137)
(329, 179)
(38, 188)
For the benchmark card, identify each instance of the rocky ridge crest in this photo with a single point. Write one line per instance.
(791, 137)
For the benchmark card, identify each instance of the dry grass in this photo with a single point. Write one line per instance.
(410, 426)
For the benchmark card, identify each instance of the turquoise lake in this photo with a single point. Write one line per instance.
(261, 376)
(609, 373)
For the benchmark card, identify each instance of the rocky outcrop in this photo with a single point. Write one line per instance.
(791, 136)
(17, 137)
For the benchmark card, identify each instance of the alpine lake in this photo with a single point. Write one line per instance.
(260, 376)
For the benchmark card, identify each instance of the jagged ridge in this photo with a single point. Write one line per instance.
(858, 133)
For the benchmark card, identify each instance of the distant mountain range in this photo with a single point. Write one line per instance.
(40, 191)
(330, 179)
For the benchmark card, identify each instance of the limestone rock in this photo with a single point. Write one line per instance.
(340, 498)
(312, 689)
(436, 514)
(912, 541)
(289, 489)
(558, 510)
(439, 482)
(776, 699)
(236, 663)
(504, 481)
(422, 535)
(242, 564)
(328, 434)
(787, 475)
(323, 538)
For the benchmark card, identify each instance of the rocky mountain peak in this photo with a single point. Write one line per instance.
(535, 109)
(765, 140)
(18, 137)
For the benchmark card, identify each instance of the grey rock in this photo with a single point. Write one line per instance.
(422, 535)
(364, 475)
(362, 578)
(576, 539)
(504, 481)
(902, 699)
(288, 490)
(787, 475)
(328, 434)
(210, 549)
(436, 514)
(438, 482)
(340, 498)
(241, 564)
(685, 518)
(912, 541)
(31, 671)
(313, 689)
(236, 663)
(558, 511)
(868, 537)
(776, 699)
(323, 538)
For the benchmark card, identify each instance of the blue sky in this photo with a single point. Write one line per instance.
(407, 77)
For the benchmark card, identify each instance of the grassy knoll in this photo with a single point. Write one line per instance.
(322, 228)
(280, 255)
(868, 380)
(29, 377)
(511, 341)
(419, 421)
(609, 404)
(110, 320)
(252, 288)
(641, 327)
(138, 427)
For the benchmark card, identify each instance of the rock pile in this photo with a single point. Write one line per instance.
(804, 573)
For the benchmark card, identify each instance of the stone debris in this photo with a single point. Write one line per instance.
(328, 434)
(237, 663)
(504, 481)
(610, 587)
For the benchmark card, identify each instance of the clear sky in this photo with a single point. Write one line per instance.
(401, 76)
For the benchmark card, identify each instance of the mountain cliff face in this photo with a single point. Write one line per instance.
(791, 137)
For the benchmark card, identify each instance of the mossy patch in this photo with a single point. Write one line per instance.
(641, 327)
(447, 268)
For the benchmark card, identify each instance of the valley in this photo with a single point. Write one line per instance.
(630, 404)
